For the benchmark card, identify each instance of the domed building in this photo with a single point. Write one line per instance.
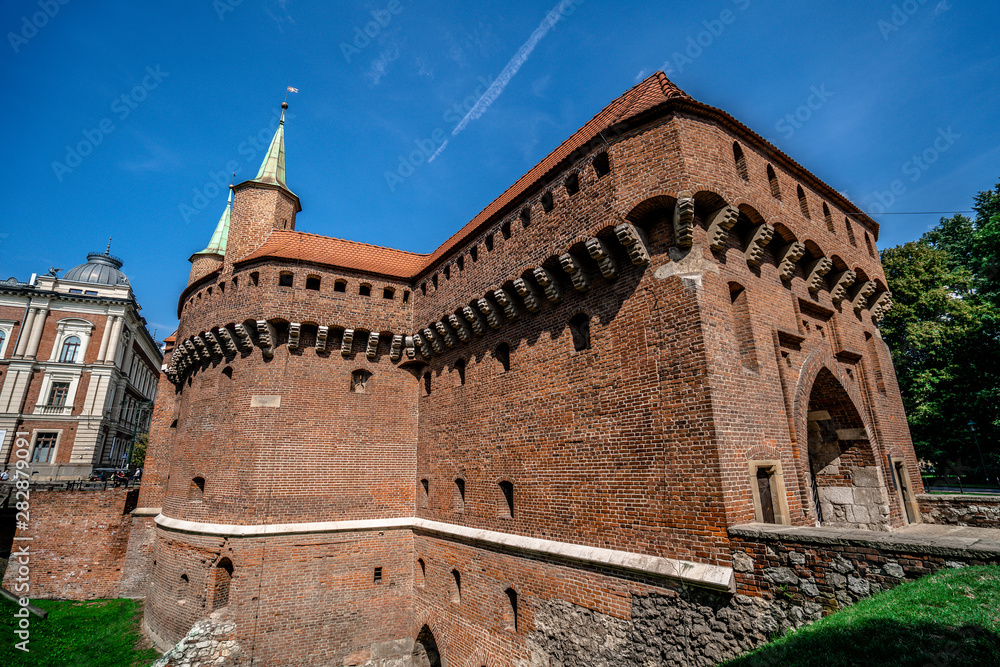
(76, 358)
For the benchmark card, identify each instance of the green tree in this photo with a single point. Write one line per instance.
(944, 335)
(139, 450)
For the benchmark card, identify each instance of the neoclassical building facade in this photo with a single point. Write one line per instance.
(664, 330)
(78, 370)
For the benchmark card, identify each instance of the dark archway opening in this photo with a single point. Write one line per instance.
(425, 650)
(846, 480)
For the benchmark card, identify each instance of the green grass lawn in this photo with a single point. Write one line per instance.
(101, 633)
(949, 618)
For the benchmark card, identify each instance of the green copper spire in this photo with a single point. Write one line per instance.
(217, 246)
(272, 170)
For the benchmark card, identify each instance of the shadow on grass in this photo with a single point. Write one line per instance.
(879, 642)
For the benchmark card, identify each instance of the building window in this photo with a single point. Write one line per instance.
(871, 247)
(425, 493)
(197, 490)
(313, 282)
(460, 495)
(502, 355)
(69, 350)
(547, 203)
(90, 292)
(460, 367)
(222, 575)
(828, 218)
(359, 381)
(406, 296)
(579, 326)
(850, 233)
(3, 340)
(741, 162)
(772, 178)
(377, 576)
(285, 280)
(340, 286)
(254, 278)
(58, 394)
(474, 253)
(803, 204)
(388, 293)
(76, 291)
(45, 448)
(742, 327)
(489, 243)
(572, 184)
(505, 229)
(602, 165)
(525, 216)
(510, 610)
(427, 383)
(456, 587)
(505, 505)
(421, 572)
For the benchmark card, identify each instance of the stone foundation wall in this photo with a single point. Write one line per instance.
(961, 510)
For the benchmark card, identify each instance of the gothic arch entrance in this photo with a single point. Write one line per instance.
(846, 479)
(425, 650)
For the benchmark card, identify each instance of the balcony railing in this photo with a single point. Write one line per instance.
(53, 409)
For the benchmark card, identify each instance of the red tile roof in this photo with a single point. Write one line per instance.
(652, 92)
(330, 251)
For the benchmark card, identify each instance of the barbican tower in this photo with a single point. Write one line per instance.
(663, 331)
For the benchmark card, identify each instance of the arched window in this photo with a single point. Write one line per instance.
(456, 587)
(850, 233)
(505, 229)
(602, 165)
(365, 289)
(222, 574)
(460, 367)
(772, 178)
(803, 204)
(868, 242)
(197, 490)
(572, 184)
(502, 355)
(510, 610)
(828, 218)
(547, 202)
(340, 286)
(421, 573)
(285, 279)
(460, 495)
(70, 348)
(741, 325)
(388, 293)
(579, 326)
(505, 505)
(3, 339)
(427, 383)
(359, 381)
(313, 282)
(741, 162)
(425, 492)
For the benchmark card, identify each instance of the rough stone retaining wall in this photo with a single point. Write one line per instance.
(960, 510)
(211, 642)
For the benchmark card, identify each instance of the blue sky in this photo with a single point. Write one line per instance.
(167, 98)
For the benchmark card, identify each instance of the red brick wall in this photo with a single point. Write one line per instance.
(78, 542)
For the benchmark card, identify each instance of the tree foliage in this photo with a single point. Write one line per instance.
(944, 334)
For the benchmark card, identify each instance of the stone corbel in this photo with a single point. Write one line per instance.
(719, 225)
(425, 347)
(431, 338)
(489, 312)
(755, 249)
(192, 351)
(471, 316)
(199, 342)
(548, 283)
(577, 275)
(815, 272)
(227, 341)
(408, 343)
(632, 238)
(346, 342)
(461, 328)
(787, 257)
(372, 350)
(322, 333)
(396, 347)
(214, 346)
(527, 294)
(882, 304)
(683, 219)
(294, 331)
(445, 334)
(860, 300)
(605, 261)
(506, 301)
(267, 337)
(841, 281)
(243, 338)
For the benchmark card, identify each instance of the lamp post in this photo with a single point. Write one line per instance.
(982, 461)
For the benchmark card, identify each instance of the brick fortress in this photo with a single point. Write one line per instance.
(665, 330)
